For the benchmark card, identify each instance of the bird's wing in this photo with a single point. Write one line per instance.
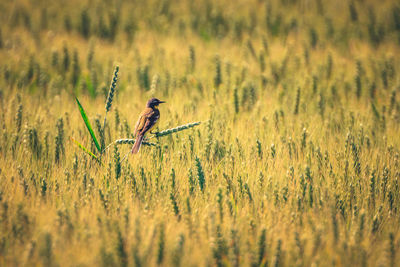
(150, 121)
(143, 118)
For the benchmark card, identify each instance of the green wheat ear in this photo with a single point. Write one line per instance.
(127, 141)
(113, 86)
(110, 98)
(177, 129)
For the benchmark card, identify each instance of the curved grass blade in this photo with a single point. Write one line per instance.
(85, 150)
(89, 127)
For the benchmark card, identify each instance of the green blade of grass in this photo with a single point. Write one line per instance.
(89, 127)
(85, 150)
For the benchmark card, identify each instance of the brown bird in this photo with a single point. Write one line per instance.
(147, 120)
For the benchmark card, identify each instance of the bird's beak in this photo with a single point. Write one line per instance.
(161, 102)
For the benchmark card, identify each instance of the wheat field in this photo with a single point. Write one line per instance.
(294, 161)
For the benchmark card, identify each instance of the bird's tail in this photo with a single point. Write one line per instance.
(137, 144)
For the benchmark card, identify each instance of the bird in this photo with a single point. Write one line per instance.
(148, 118)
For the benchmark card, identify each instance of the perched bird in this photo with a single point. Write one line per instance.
(147, 120)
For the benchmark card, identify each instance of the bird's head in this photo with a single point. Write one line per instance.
(154, 102)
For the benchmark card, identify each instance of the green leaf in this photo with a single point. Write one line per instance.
(89, 127)
(85, 150)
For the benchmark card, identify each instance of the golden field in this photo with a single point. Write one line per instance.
(295, 162)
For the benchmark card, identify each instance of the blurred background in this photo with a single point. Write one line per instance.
(296, 161)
